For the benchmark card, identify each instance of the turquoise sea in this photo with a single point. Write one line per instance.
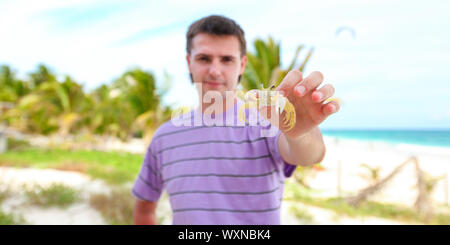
(440, 138)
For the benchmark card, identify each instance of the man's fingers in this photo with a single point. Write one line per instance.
(290, 80)
(323, 93)
(330, 108)
(271, 114)
(308, 84)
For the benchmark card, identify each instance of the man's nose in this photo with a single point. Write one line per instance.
(214, 69)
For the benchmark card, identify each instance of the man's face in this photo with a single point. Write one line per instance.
(215, 62)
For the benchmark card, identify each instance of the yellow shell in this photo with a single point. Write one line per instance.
(266, 97)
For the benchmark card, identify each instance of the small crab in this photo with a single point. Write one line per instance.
(257, 98)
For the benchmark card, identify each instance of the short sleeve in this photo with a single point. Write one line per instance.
(272, 143)
(148, 184)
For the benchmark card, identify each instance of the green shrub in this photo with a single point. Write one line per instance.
(54, 195)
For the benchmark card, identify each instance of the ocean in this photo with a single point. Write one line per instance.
(440, 138)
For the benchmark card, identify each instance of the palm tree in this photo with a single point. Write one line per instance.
(50, 106)
(264, 66)
(73, 102)
(110, 113)
(138, 88)
(43, 74)
(11, 89)
(130, 105)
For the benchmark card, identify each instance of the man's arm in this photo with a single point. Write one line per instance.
(303, 144)
(305, 150)
(144, 212)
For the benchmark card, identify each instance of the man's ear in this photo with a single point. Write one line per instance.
(188, 59)
(243, 64)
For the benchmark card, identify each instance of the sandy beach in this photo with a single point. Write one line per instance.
(18, 180)
(348, 155)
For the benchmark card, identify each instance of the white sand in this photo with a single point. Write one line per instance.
(16, 181)
(350, 154)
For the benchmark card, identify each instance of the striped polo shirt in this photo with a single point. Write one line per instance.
(223, 173)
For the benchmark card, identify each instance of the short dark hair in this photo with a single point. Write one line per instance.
(215, 25)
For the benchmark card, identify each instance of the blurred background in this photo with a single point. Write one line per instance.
(84, 84)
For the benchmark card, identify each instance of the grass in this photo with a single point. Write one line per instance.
(16, 144)
(54, 195)
(113, 167)
(369, 208)
(4, 194)
(5, 218)
(10, 219)
(116, 208)
(302, 214)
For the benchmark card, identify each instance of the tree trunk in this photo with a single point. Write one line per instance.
(422, 204)
(3, 138)
(362, 196)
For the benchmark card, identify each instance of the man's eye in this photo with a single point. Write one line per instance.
(203, 59)
(226, 60)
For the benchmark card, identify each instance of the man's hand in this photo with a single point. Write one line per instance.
(303, 144)
(307, 100)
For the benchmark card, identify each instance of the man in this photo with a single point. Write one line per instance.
(224, 174)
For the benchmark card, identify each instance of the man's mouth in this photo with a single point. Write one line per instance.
(214, 83)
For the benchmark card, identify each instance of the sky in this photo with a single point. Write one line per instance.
(392, 73)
